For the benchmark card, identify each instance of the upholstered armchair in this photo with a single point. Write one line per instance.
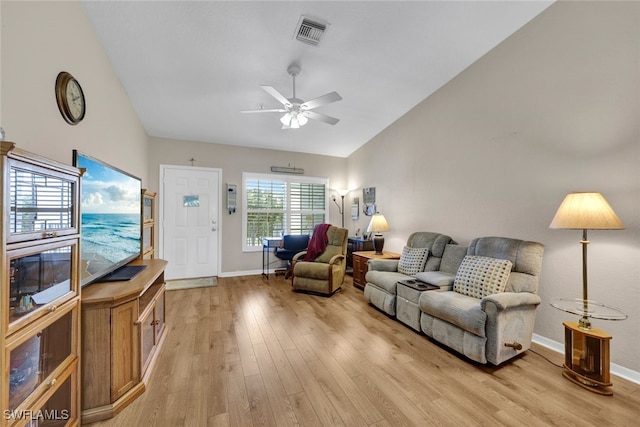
(325, 274)
(489, 314)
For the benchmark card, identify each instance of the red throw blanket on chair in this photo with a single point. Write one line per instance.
(318, 242)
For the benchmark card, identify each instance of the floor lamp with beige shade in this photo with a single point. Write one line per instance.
(587, 348)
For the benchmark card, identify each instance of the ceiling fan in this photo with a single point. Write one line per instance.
(297, 112)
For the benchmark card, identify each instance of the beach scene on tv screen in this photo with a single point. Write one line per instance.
(110, 217)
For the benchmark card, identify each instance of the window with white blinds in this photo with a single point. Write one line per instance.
(275, 205)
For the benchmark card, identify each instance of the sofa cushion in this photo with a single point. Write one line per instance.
(525, 256)
(463, 311)
(337, 237)
(412, 260)
(480, 276)
(386, 280)
(435, 242)
(437, 278)
(328, 253)
(452, 258)
(311, 269)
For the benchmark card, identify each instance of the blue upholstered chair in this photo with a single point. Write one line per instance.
(291, 245)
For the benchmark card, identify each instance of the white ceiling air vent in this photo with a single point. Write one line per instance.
(310, 31)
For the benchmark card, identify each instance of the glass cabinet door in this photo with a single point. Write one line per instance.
(147, 208)
(41, 203)
(40, 278)
(59, 410)
(34, 358)
(147, 243)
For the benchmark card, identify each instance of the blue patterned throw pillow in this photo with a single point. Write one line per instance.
(479, 276)
(412, 260)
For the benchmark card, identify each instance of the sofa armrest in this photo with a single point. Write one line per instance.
(336, 259)
(508, 300)
(299, 255)
(510, 320)
(383, 264)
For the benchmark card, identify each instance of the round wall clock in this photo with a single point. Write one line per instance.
(70, 98)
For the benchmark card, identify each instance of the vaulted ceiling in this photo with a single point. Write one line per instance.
(190, 67)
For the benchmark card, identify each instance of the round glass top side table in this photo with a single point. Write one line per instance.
(586, 349)
(587, 308)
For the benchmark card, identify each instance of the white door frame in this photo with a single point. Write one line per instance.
(161, 207)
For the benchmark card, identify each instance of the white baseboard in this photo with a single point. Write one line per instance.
(172, 285)
(617, 370)
(243, 273)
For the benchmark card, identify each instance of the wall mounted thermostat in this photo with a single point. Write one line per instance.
(232, 197)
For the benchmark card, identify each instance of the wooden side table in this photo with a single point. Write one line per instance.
(357, 244)
(586, 360)
(586, 349)
(360, 266)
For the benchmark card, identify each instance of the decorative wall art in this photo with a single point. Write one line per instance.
(369, 200)
(355, 208)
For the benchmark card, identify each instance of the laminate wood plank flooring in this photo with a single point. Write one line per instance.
(250, 352)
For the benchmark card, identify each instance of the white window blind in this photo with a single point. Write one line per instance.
(275, 205)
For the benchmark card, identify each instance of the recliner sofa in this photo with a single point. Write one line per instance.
(491, 327)
(384, 274)
(487, 298)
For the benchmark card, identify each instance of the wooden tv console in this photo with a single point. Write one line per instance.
(123, 329)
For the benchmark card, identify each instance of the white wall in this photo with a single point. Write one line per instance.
(234, 161)
(40, 39)
(553, 109)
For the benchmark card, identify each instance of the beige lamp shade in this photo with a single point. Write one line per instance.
(378, 223)
(343, 192)
(586, 211)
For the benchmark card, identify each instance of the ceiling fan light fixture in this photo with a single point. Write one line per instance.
(293, 120)
(298, 112)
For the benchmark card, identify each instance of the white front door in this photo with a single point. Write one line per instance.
(189, 230)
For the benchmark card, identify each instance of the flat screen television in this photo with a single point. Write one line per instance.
(110, 221)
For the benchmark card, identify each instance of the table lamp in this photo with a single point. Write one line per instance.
(377, 225)
(585, 211)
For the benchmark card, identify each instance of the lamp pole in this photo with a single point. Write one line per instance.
(584, 323)
(342, 193)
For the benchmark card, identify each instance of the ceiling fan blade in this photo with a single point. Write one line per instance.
(277, 95)
(273, 110)
(321, 100)
(322, 117)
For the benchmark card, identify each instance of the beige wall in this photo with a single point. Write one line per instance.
(234, 161)
(553, 109)
(40, 39)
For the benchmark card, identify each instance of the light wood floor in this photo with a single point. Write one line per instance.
(252, 353)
